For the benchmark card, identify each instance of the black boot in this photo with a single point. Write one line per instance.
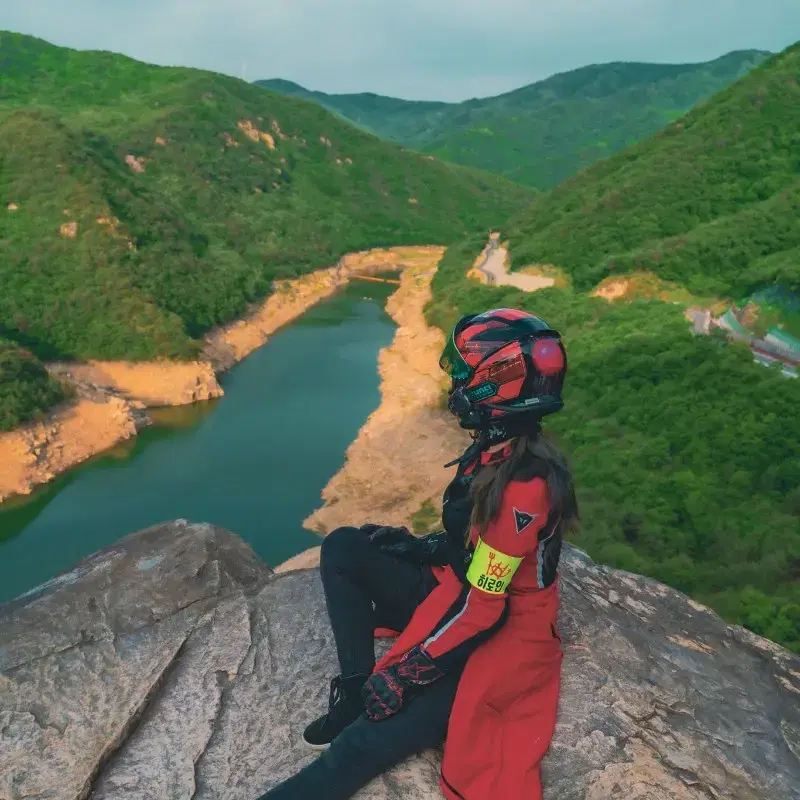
(344, 707)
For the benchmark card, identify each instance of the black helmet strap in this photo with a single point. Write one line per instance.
(495, 433)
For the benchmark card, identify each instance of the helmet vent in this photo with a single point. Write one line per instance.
(508, 370)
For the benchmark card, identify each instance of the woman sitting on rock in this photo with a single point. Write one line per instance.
(477, 663)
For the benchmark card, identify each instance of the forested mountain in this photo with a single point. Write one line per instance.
(141, 205)
(543, 133)
(711, 202)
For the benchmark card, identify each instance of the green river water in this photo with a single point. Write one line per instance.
(253, 462)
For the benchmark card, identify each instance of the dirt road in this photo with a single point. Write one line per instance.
(494, 267)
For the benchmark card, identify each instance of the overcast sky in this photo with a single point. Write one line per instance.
(417, 49)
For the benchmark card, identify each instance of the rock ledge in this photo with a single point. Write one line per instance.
(177, 665)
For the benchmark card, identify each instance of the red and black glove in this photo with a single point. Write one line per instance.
(386, 692)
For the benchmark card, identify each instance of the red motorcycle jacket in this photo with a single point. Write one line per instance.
(503, 621)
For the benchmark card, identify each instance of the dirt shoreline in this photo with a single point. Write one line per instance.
(396, 462)
(395, 465)
(112, 397)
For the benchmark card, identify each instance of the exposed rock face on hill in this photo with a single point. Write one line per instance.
(176, 665)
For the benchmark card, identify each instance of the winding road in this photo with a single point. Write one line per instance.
(493, 266)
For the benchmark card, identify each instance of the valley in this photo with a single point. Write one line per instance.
(152, 242)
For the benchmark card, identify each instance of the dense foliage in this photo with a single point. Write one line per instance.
(541, 134)
(685, 452)
(25, 387)
(136, 211)
(705, 203)
(140, 205)
(409, 122)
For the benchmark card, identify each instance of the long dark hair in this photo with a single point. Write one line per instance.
(533, 455)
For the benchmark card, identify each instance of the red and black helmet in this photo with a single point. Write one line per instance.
(503, 363)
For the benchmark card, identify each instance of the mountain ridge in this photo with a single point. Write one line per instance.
(290, 85)
(589, 112)
(701, 202)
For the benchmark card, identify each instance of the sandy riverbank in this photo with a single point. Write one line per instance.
(151, 383)
(395, 463)
(226, 346)
(111, 397)
(34, 454)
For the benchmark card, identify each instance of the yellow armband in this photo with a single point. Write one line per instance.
(491, 571)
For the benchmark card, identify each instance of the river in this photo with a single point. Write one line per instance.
(253, 462)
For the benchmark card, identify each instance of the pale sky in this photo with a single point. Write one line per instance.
(417, 49)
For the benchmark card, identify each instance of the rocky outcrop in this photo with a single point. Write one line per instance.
(152, 383)
(255, 135)
(306, 560)
(136, 164)
(175, 665)
(37, 452)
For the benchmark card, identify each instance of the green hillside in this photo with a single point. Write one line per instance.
(26, 390)
(408, 122)
(684, 450)
(141, 205)
(711, 202)
(542, 134)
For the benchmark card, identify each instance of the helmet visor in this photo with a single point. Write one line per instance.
(452, 362)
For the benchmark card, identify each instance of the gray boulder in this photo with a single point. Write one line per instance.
(177, 666)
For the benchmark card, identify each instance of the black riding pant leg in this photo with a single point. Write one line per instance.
(365, 588)
(356, 575)
(367, 749)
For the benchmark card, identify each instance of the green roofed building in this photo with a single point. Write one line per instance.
(729, 321)
(783, 344)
